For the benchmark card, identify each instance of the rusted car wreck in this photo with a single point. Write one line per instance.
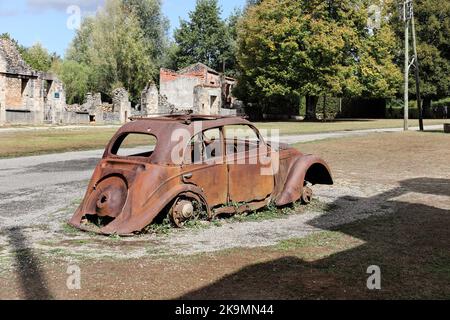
(217, 165)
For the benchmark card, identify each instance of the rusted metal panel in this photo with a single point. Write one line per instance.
(128, 193)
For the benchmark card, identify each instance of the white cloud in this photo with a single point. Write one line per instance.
(62, 5)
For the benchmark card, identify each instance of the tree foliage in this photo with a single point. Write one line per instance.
(123, 45)
(75, 76)
(289, 49)
(204, 38)
(432, 20)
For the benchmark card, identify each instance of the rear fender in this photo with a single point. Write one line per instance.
(134, 221)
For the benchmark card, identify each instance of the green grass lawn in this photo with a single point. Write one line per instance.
(24, 143)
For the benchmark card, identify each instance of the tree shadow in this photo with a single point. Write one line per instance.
(32, 280)
(408, 241)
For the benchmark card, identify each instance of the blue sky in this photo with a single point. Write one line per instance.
(45, 21)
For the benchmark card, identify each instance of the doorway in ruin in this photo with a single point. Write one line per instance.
(213, 106)
(48, 107)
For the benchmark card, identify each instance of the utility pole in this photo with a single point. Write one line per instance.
(407, 13)
(407, 4)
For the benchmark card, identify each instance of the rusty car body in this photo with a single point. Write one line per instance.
(129, 192)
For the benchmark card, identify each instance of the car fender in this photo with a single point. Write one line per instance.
(308, 168)
(130, 222)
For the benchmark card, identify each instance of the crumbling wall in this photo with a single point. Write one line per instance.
(121, 104)
(178, 90)
(150, 99)
(207, 100)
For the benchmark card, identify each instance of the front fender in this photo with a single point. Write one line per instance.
(308, 168)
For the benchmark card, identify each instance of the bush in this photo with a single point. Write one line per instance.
(441, 103)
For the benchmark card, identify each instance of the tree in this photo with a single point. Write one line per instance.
(38, 57)
(79, 47)
(153, 23)
(204, 38)
(119, 54)
(75, 76)
(121, 45)
(433, 48)
(230, 55)
(289, 49)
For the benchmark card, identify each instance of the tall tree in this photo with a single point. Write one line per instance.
(38, 57)
(433, 48)
(204, 38)
(289, 49)
(75, 76)
(230, 55)
(153, 23)
(79, 47)
(119, 54)
(123, 45)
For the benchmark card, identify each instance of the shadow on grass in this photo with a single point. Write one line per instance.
(32, 280)
(410, 245)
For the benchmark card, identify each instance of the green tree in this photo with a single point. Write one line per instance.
(75, 76)
(289, 49)
(79, 47)
(154, 25)
(433, 48)
(119, 54)
(38, 57)
(204, 38)
(121, 45)
(230, 54)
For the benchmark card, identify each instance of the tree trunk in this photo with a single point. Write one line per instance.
(426, 108)
(311, 104)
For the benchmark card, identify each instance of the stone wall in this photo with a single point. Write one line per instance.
(122, 104)
(207, 100)
(179, 91)
(28, 96)
(150, 99)
(196, 88)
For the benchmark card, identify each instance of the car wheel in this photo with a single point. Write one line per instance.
(307, 194)
(184, 210)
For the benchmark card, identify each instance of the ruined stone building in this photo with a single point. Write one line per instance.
(197, 88)
(27, 96)
(32, 97)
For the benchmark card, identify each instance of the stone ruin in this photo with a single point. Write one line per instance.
(101, 109)
(196, 89)
(32, 97)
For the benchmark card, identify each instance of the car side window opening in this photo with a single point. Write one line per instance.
(206, 146)
(240, 138)
(134, 145)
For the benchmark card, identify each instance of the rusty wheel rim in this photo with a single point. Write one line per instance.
(307, 195)
(182, 211)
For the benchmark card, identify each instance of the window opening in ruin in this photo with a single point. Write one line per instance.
(213, 100)
(24, 86)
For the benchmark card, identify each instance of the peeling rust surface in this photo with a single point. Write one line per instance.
(130, 192)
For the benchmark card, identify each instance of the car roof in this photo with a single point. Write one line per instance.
(162, 127)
